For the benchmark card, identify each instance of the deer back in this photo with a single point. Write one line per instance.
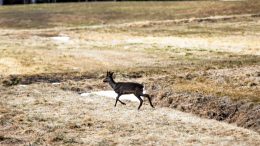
(128, 88)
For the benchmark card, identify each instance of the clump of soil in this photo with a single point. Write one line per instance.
(9, 140)
(11, 81)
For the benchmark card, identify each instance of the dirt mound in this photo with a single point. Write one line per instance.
(243, 113)
(210, 19)
(46, 78)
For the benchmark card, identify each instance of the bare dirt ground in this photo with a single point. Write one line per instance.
(100, 45)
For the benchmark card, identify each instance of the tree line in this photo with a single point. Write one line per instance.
(12, 2)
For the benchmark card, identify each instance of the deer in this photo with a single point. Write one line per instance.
(122, 88)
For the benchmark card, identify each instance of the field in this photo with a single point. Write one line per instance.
(198, 57)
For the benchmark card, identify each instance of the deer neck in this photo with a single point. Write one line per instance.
(112, 83)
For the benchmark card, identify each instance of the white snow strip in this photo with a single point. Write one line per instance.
(56, 83)
(62, 39)
(112, 94)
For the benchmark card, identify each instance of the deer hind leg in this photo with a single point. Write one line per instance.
(149, 98)
(141, 101)
(121, 102)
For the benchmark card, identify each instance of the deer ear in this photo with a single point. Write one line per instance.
(112, 73)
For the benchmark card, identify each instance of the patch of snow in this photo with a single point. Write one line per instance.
(62, 39)
(115, 42)
(56, 83)
(112, 94)
(134, 41)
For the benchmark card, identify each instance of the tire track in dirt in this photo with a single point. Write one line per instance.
(144, 23)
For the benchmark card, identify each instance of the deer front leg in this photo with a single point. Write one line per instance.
(117, 98)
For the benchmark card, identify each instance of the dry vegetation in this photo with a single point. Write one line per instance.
(46, 16)
(209, 66)
(42, 114)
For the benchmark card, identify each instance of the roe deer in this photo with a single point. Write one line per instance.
(122, 88)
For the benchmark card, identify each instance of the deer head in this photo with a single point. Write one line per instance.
(109, 77)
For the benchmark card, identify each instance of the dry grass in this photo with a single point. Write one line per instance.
(42, 114)
(92, 50)
(219, 58)
(78, 14)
